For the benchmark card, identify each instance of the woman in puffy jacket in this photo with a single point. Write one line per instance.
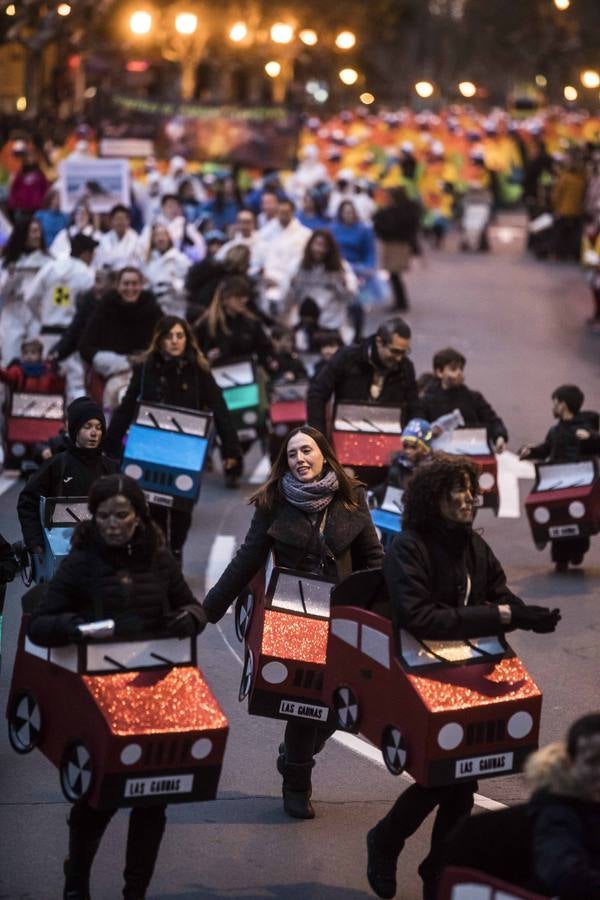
(118, 568)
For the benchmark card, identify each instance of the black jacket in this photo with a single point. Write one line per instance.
(426, 577)
(349, 374)
(566, 845)
(178, 382)
(398, 222)
(119, 326)
(350, 539)
(246, 337)
(70, 473)
(561, 444)
(475, 409)
(138, 589)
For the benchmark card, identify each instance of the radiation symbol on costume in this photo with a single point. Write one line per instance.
(61, 295)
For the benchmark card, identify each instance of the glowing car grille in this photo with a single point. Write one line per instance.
(486, 732)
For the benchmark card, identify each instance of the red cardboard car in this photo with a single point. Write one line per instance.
(366, 434)
(127, 723)
(441, 710)
(287, 410)
(31, 419)
(470, 884)
(286, 631)
(564, 501)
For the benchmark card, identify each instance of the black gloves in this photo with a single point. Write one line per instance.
(186, 623)
(535, 618)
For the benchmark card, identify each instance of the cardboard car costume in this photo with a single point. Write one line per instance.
(564, 501)
(31, 419)
(474, 444)
(59, 517)
(141, 725)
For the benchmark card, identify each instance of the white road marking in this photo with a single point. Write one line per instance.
(361, 747)
(510, 470)
(261, 472)
(8, 479)
(220, 555)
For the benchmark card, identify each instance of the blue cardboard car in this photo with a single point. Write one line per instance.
(59, 517)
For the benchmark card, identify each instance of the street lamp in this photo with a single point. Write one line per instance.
(424, 89)
(140, 22)
(345, 40)
(570, 93)
(281, 33)
(541, 81)
(562, 4)
(590, 78)
(273, 68)
(367, 98)
(11, 10)
(63, 9)
(186, 23)
(238, 32)
(467, 89)
(308, 37)
(348, 76)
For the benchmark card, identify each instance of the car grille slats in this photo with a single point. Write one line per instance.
(166, 752)
(308, 679)
(489, 732)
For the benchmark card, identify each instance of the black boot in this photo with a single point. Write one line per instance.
(86, 827)
(296, 787)
(146, 828)
(381, 866)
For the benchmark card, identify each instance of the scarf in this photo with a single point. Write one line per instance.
(313, 496)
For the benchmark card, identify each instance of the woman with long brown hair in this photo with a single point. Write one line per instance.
(229, 329)
(312, 517)
(174, 371)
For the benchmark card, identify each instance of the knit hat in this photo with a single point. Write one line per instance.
(81, 411)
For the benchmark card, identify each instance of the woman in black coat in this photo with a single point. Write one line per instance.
(229, 329)
(313, 517)
(69, 473)
(175, 372)
(118, 568)
(121, 325)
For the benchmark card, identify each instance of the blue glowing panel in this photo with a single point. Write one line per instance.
(166, 448)
(386, 521)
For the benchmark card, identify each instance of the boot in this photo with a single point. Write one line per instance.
(296, 787)
(146, 828)
(86, 827)
(381, 867)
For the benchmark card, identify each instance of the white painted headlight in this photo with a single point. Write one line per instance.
(577, 509)
(18, 449)
(184, 483)
(131, 754)
(201, 748)
(249, 417)
(541, 514)
(520, 724)
(134, 471)
(450, 736)
(274, 672)
(486, 481)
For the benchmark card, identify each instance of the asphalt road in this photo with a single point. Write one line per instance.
(521, 325)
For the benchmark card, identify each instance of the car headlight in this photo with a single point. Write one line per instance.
(249, 417)
(274, 672)
(450, 736)
(131, 754)
(281, 430)
(184, 483)
(134, 471)
(541, 514)
(577, 509)
(486, 481)
(201, 748)
(18, 449)
(520, 724)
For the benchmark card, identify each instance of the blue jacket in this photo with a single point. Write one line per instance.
(357, 244)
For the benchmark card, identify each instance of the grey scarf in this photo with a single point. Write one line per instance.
(312, 496)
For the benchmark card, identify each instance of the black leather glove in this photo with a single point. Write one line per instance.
(187, 624)
(540, 619)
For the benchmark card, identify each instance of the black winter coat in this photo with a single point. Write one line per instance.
(70, 473)
(178, 382)
(120, 327)
(349, 374)
(71, 337)
(139, 590)
(566, 845)
(475, 409)
(561, 445)
(246, 337)
(426, 577)
(350, 540)
(398, 222)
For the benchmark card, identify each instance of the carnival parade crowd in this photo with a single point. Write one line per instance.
(207, 268)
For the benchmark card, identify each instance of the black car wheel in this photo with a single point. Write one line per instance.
(247, 674)
(76, 772)
(244, 607)
(393, 749)
(346, 708)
